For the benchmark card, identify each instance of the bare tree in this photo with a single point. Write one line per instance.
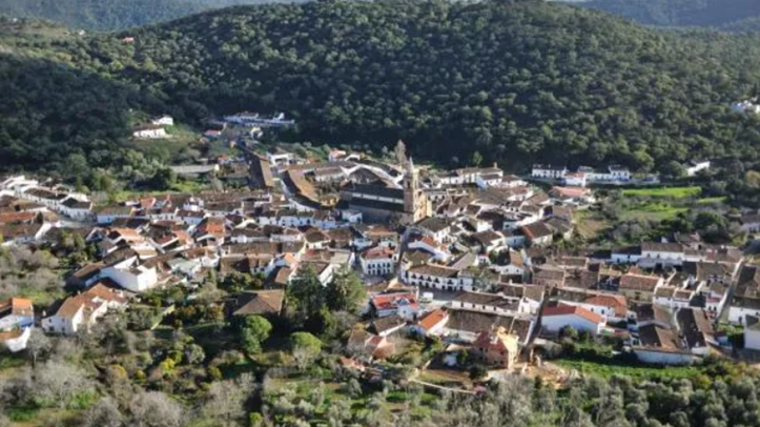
(39, 344)
(400, 152)
(226, 400)
(59, 382)
(105, 413)
(155, 409)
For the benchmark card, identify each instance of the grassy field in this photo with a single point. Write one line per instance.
(590, 225)
(652, 211)
(606, 370)
(711, 200)
(672, 192)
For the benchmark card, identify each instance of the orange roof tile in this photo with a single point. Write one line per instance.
(429, 320)
(563, 310)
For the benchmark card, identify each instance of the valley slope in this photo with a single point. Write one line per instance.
(107, 15)
(517, 82)
(737, 15)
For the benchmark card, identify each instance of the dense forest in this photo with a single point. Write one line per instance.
(520, 82)
(727, 14)
(107, 15)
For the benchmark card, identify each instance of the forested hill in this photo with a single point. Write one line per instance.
(520, 82)
(106, 15)
(725, 14)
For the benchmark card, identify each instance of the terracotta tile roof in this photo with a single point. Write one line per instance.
(432, 318)
(536, 230)
(617, 303)
(639, 282)
(564, 310)
(391, 301)
(16, 217)
(262, 302)
(378, 253)
(17, 307)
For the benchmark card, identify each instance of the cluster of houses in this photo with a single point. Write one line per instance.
(612, 174)
(466, 256)
(29, 209)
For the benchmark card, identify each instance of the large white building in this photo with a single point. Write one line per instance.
(132, 276)
(378, 261)
(548, 171)
(79, 313)
(438, 277)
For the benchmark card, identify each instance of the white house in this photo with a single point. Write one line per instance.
(752, 333)
(482, 301)
(150, 132)
(611, 307)
(16, 313)
(280, 157)
(76, 209)
(164, 120)
(82, 311)
(109, 214)
(13, 182)
(654, 254)
(378, 261)
(439, 251)
(695, 166)
(548, 172)
(438, 277)
(16, 339)
(132, 276)
(575, 179)
(741, 308)
(402, 304)
(553, 319)
(431, 323)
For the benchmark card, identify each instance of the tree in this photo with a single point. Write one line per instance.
(478, 372)
(155, 409)
(226, 400)
(346, 291)
(194, 354)
(304, 347)
(306, 295)
(477, 159)
(400, 153)
(38, 344)
(58, 383)
(164, 179)
(105, 413)
(253, 331)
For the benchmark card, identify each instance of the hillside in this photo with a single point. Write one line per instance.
(729, 14)
(107, 15)
(517, 82)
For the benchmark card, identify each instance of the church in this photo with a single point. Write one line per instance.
(380, 203)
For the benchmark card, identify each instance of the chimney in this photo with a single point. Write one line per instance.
(495, 165)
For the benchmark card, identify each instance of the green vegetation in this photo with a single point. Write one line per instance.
(672, 192)
(608, 369)
(651, 210)
(108, 15)
(514, 81)
(729, 14)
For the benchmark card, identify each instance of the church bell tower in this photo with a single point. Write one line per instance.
(415, 202)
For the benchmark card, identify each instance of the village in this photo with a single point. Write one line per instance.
(474, 259)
